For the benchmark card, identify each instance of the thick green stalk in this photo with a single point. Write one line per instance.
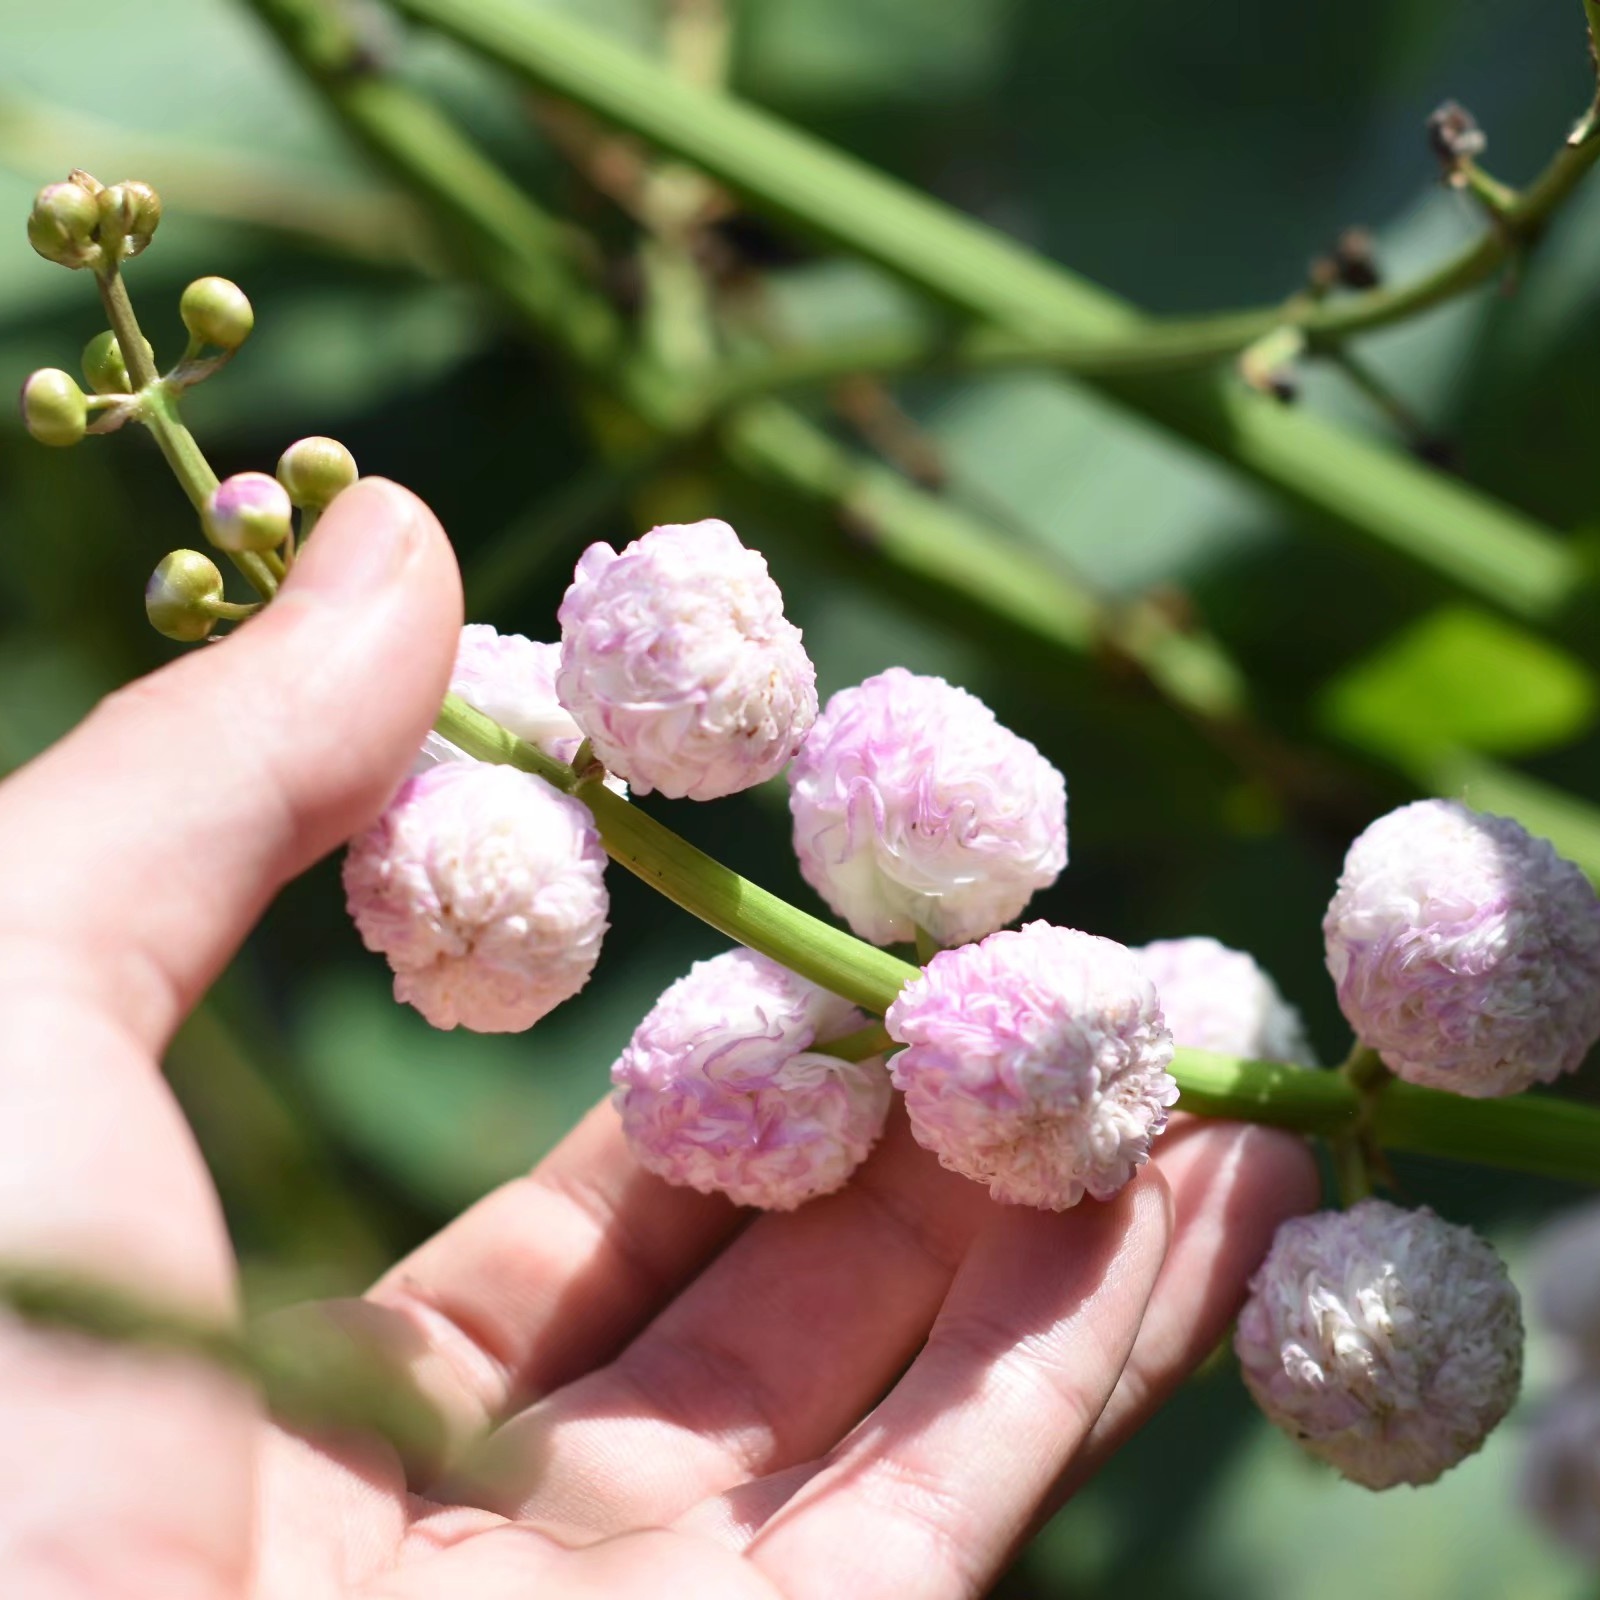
(1489, 549)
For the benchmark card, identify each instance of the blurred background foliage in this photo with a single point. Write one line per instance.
(1186, 161)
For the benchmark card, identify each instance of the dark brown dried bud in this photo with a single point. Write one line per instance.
(1454, 134)
(1355, 257)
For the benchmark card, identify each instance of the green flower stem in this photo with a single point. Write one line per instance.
(158, 411)
(1557, 1138)
(1504, 558)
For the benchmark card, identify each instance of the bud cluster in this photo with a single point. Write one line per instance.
(85, 223)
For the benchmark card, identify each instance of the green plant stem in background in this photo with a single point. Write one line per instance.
(1556, 1138)
(1469, 540)
(949, 551)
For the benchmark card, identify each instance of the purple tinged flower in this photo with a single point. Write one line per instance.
(483, 886)
(1036, 1063)
(1466, 952)
(680, 666)
(721, 1090)
(1386, 1342)
(1219, 999)
(1561, 1470)
(913, 807)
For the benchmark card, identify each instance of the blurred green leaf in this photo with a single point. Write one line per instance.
(1460, 678)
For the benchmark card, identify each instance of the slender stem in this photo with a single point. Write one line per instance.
(158, 411)
(927, 946)
(1559, 1138)
(309, 517)
(1351, 1172)
(228, 611)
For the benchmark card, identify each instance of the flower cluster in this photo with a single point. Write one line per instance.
(1387, 1342)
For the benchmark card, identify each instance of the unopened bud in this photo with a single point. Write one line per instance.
(54, 409)
(62, 224)
(314, 470)
(180, 595)
(103, 366)
(130, 212)
(216, 311)
(249, 511)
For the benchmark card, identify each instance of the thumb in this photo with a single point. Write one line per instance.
(145, 845)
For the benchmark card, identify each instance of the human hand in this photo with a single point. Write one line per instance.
(878, 1394)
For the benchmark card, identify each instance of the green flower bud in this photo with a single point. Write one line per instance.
(314, 470)
(62, 225)
(129, 215)
(54, 409)
(180, 595)
(104, 367)
(249, 511)
(216, 311)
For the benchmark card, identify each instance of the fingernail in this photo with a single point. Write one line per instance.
(363, 543)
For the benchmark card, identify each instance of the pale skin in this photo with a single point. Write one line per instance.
(881, 1394)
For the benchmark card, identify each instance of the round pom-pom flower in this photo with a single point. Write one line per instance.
(484, 888)
(913, 807)
(1037, 1063)
(1466, 952)
(721, 1090)
(1219, 999)
(680, 666)
(1387, 1342)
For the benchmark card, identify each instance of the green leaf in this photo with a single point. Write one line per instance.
(1460, 679)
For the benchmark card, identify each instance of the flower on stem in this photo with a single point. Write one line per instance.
(55, 410)
(680, 666)
(914, 808)
(484, 888)
(181, 596)
(249, 511)
(1214, 998)
(314, 470)
(721, 1089)
(1036, 1063)
(216, 311)
(1466, 951)
(1386, 1342)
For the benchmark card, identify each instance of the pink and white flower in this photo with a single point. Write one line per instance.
(914, 808)
(678, 663)
(1386, 1342)
(1036, 1063)
(484, 888)
(721, 1088)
